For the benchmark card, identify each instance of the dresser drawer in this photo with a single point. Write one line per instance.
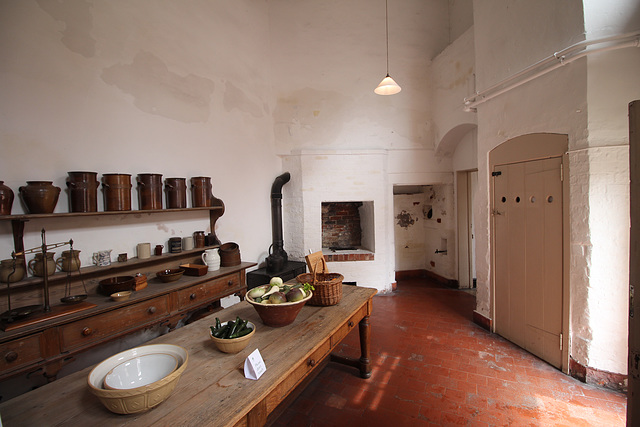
(348, 326)
(21, 352)
(87, 331)
(207, 291)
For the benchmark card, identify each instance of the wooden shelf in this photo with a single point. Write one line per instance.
(27, 217)
(92, 271)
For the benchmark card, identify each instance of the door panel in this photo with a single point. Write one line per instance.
(528, 256)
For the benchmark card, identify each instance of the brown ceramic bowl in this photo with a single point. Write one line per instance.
(277, 315)
(116, 284)
(170, 275)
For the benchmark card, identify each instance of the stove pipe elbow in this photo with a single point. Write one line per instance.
(278, 183)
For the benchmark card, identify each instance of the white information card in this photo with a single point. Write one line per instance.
(254, 366)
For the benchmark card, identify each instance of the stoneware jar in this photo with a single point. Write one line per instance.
(40, 196)
(117, 191)
(6, 199)
(176, 190)
(69, 260)
(83, 191)
(6, 271)
(201, 195)
(37, 268)
(149, 191)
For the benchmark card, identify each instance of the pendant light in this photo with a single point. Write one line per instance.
(387, 86)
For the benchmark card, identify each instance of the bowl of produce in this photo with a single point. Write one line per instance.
(279, 304)
(170, 275)
(232, 336)
(139, 398)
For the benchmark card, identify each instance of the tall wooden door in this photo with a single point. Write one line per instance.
(527, 214)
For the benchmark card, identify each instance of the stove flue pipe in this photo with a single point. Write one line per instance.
(278, 258)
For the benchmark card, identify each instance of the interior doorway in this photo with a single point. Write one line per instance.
(466, 184)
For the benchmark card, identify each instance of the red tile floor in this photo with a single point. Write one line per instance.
(432, 366)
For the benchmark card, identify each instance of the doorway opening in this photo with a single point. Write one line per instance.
(466, 184)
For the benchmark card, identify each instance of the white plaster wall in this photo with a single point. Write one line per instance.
(180, 89)
(441, 228)
(410, 217)
(329, 56)
(453, 80)
(329, 176)
(587, 101)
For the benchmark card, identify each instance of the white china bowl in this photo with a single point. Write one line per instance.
(141, 370)
(141, 398)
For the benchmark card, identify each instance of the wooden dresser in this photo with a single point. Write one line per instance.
(43, 343)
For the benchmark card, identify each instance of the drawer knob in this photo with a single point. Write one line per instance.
(230, 283)
(11, 356)
(193, 296)
(350, 323)
(152, 310)
(312, 362)
(87, 331)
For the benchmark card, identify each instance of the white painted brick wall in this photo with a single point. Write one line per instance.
(342, 177)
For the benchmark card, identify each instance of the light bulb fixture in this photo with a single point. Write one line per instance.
(387, 86)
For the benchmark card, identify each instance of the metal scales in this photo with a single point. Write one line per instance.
(12, 315)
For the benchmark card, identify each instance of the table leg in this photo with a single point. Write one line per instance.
(365, 347)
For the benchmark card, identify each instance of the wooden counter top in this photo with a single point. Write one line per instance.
(213, 389)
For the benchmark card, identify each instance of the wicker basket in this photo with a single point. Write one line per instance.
(327, 287)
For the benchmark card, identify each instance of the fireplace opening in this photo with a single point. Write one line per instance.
(348, 229)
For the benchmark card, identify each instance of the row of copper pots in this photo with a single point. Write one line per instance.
(42, 196)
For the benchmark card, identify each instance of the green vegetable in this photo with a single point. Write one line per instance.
(242, 325)
(235, 326)
(219, 333)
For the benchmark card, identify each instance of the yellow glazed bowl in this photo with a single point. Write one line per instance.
(234, 345)
(131, 401)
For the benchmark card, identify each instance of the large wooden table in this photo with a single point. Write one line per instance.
(213, 390)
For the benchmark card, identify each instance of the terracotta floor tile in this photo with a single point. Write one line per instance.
(432, 366)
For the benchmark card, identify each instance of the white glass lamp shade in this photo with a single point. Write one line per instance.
(387, 87)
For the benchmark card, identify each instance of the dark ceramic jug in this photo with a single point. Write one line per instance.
(40, 196)
(6, 199)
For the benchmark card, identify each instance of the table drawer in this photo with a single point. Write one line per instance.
(87, 331)
(21, 352)
(208, 291)
(304, 369)
(348, 326)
